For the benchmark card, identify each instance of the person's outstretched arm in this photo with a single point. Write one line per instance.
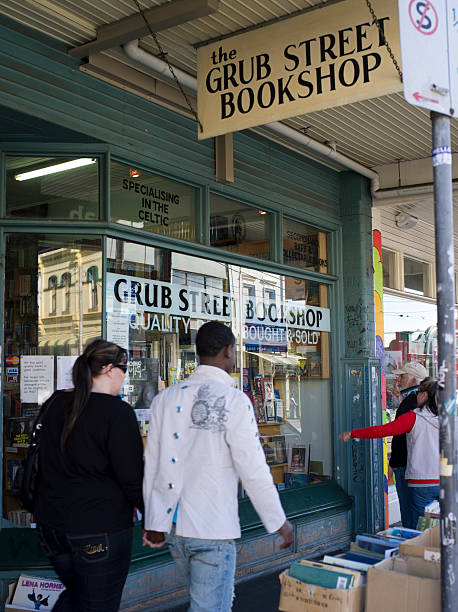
(402, 424)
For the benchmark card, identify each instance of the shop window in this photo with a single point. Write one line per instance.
(239, 228)
(388, 266)
(282, 329)
(304, 246)
(39, 349)
(153, 203)
(414, 276)
(52, 187)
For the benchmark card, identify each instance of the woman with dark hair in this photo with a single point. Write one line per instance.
(91, 471)
(422, 428)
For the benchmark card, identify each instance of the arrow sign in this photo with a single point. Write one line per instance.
(418, 97)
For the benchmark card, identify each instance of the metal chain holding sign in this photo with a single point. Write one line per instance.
(383, 38)
(163, 56)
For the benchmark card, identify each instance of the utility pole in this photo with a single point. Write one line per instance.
(445, 271)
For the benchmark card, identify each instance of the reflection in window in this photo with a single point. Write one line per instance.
(65, 283)
(52, 187)
(414, 272)
(388, 265)
(43, 276)
(52, 286)
(239, 228)
(281, 326)
(92, 278)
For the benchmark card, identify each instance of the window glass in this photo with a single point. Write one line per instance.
(52, 187)
(388, 263)
(153, 203)
(304, 246)
(48, 319)
(239, 228)
(156, 301)
(414, 276)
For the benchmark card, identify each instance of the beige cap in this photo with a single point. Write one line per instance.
(414, 368)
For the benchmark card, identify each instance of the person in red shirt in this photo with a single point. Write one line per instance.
(422, 428)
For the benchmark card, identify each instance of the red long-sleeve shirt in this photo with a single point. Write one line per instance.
(401, 425)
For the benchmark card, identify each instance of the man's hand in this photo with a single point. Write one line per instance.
(287, 533)
(153, 539)
(345, 436)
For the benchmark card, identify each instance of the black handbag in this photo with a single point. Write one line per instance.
(26, 478)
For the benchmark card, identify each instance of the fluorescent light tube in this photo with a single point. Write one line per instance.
(74, 163)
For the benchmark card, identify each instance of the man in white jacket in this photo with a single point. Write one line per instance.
(202, 437)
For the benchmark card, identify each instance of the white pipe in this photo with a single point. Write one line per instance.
(160, 67)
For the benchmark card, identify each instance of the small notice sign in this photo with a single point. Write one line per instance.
(37, 378)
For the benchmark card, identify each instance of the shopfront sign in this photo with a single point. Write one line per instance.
(141, 303)
(316, 60)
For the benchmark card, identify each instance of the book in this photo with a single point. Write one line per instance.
(12, 466)
(348, 563)
(361, 558)
(32, 592)
(377, 545)
(402, 533)
(366, 552)
(18, 430)
(295, 479)
(321, 575)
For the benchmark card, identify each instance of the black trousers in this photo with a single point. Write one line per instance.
(92, 567)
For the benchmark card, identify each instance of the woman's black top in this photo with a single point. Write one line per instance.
(94, 485)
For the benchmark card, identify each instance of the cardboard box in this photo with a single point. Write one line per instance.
(297, 596)
(427, 545)
(404, 584)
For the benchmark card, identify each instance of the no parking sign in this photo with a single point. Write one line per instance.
(429, 47)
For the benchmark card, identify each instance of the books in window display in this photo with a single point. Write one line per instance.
(18, 431)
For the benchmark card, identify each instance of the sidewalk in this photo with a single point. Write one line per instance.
(253, 595)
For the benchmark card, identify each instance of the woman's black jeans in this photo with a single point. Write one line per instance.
(92, 567)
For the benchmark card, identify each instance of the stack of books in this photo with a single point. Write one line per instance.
(325, 575)
(368, 550)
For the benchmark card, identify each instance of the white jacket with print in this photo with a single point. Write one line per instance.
(203, 436)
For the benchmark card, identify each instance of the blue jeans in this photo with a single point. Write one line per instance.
(403, 495)
(92, 567)
(209, 569)
(421, 497)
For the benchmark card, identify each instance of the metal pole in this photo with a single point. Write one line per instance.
(445, 271)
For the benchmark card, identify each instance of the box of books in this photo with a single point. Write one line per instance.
(427, 545)
(309, 586)
(33, 593)
(409, 584)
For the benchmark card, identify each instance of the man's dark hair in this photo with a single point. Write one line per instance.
(212, 337)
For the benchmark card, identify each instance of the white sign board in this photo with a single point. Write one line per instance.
(37, 378)
(65, 371)
(426, 54)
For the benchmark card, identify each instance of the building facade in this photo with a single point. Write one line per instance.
(113, 223)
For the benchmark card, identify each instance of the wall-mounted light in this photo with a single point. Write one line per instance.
(406, 221)
(262, 212)
(69, 165)
(134, 173)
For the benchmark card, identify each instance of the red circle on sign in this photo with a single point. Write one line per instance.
(11, 360)
(424, 24)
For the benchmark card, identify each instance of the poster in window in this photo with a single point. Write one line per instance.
(258, 397)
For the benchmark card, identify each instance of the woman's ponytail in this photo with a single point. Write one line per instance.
(96, 356)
